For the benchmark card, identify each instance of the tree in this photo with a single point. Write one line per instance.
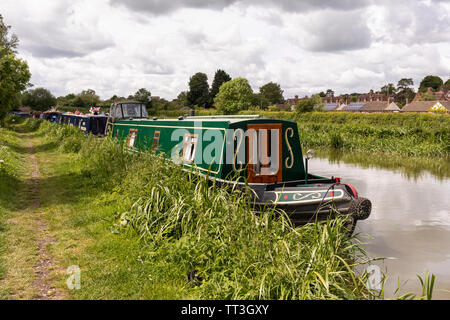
(14, 72)
(258, 100)
(433, 82)
(198, 90)
(329, 93)
(89, 97)
(404, 91)
(405, 83)
(181, 100)
(427, 97)
(220, 77)
(307, 105)
(233, 96)
(144, 96)
(39, 99)
(8, 44)
(159, 104)
(446, 85)
(78, 102)
(272, 93)
(388, 89)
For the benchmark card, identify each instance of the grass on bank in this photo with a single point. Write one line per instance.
(10, 163)
(137, 225)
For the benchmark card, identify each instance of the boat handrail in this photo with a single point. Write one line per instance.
(250, 116)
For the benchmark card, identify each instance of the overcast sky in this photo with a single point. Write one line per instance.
(307, 46)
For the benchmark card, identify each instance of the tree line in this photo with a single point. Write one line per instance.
(14, 72)
(227, 94)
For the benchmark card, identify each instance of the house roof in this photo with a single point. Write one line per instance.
(374, 106)
(392, 107)
(330, 106)
(341, 107)
(354, 107)
(423, 106)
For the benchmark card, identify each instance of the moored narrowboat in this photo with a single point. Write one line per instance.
(22, 114)
(52, 116)
(88, 123)
(264, 154)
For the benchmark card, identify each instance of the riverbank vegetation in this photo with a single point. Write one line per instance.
(141, 228)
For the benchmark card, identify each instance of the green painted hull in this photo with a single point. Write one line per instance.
(171, 134)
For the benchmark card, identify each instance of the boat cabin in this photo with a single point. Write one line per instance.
(128, 110)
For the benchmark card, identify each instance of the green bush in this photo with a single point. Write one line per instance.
(336, 141)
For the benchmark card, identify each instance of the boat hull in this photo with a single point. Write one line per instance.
(307, 204)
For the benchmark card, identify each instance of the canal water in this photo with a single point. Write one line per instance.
(410, 220)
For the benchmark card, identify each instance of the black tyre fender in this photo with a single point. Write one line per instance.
(360, 208)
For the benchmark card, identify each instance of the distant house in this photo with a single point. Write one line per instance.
(425, 106)
(331, 106)
(292, 101)
(380, 106)
(353, 107)
(392, 107)
(371, 96)
(439, 95)
(333, 100)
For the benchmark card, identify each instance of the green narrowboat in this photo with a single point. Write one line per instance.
(264, 154)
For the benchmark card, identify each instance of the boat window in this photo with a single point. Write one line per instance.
(132, 138)
(134, 110)
(155, 143)
(189, 146)
(115, 112)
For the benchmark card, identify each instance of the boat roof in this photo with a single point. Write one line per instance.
(85, 115)
(226, 118)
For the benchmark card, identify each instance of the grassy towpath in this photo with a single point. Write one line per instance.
(56, 218)
(29, 268)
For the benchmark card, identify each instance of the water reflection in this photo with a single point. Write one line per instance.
(410, 219)
(410, 167)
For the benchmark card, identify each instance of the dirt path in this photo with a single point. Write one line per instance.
(45, 261)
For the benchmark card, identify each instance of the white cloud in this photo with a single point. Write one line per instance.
(307, 46)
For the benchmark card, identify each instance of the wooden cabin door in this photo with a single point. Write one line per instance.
(264, 153)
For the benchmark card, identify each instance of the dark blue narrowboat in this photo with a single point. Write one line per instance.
(95, 124)
(70, 119)
(52, 116)
(22, 114)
